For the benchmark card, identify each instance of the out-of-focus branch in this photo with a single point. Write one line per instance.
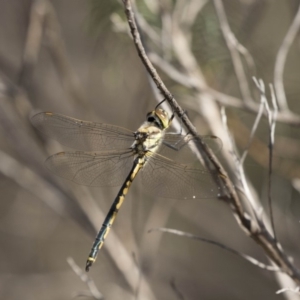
(220, 245)
(33, 40)
(31, 182)
(186, 12)
(255, 124)
(147, 28)
(272, 112)
(259, 152)
(57, 48)
(285, 116)
(240, 173)
(176, 290)
(292, 290)
(93, 290)
(235, 56)
(192, 80)
(43, 26)
(166, 28)
(281, 59)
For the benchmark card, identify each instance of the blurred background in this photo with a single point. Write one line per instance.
(76, 58)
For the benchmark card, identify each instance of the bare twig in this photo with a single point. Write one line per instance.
(186, 12)
(296, 184)
(255, 124)
(93, 290)
(281, 59)
(166, 31)
(220, 245)
(148, 29)
(30, 181)
(251, 203)
(271, 119)
(272, 122)
(176, 290)
(33, 40)
(295, 290)
(201, 86)
(286, 117)
(235, 56)
(58, 51)
(244, 51)
(43, 22)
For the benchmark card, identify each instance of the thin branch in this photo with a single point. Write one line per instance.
(176, 290)
(281, 59)
(43, 23)
(272, 124)
(240, 167)
(57, 48)
(295, 290)
(220, 245)
(166, 30)
(191, 12)
(93, 290)
(235, 56)
(244, 51)
(155, 38)
(285, 117)
(186, 12)
(296, 184)
(142, 54)
(255, 124)
(172, 72)
(33, 40)
(32, 182)
(138, 286)
(118, 25)
(271, 120)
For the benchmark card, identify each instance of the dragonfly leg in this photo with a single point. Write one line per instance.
(180, 143)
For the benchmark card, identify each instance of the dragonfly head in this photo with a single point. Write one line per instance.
(159, 118)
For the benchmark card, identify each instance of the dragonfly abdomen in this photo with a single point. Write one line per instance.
(111, 216)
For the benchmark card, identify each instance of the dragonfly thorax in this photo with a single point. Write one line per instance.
(147, 138)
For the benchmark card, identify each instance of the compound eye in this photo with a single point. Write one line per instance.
(151, 119)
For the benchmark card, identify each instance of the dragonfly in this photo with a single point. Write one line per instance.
(112, 156)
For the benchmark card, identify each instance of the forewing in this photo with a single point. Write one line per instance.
(82, 135)
(92, 168)
(168, 179)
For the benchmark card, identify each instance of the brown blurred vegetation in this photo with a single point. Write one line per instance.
(79, 66)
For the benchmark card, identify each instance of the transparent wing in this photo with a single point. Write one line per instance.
(82, 135)
(176, 146)
(168, 179)
(92, 168)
